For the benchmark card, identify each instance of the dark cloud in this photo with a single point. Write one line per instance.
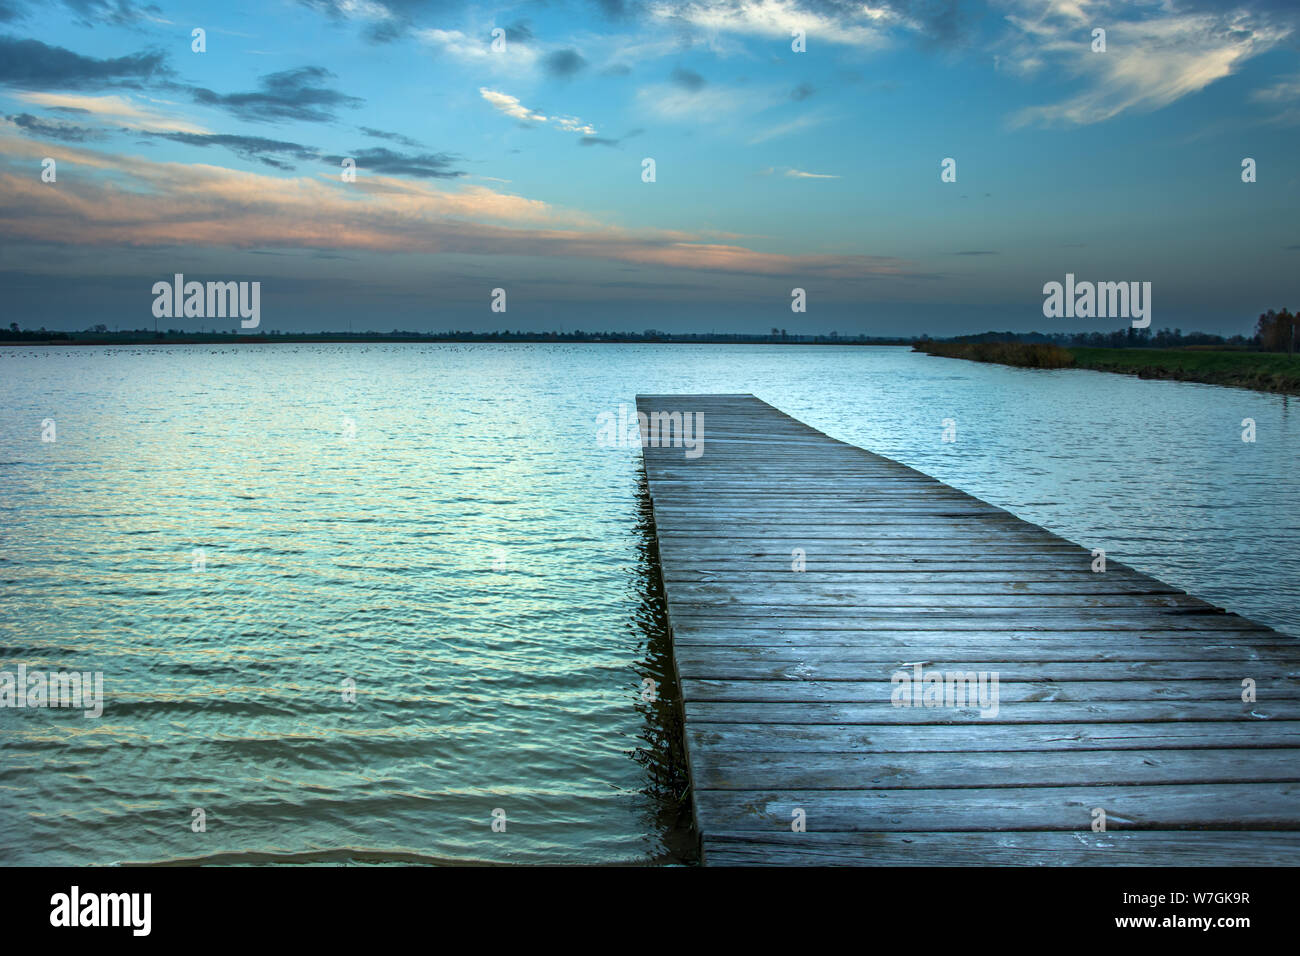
(802, 91)
(616, 69)
(609, 140)
(944, 22)
(421, 166)
(563, 64)
(114, 12)
(11, 11)
(270, 152)
(617, 9)
(400, 15)
(391, 137)
(292, 94)
(688, 79)
(976, 252)
(39, 128)
(519, 32)
(33, 65)
(386, 31)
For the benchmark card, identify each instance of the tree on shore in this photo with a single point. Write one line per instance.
(1276, 331)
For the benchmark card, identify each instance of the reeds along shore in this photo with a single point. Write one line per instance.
(1024, 354)
(1260, 371)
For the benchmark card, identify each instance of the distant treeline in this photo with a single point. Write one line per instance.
(1274, 332)
(100, 335)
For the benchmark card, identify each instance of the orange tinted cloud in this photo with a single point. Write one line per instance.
(130, 201)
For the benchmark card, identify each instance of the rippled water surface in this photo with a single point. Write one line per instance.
(477, 564)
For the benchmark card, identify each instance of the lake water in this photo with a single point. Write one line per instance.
(438, 525)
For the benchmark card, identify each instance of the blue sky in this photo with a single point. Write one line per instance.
(521, 168)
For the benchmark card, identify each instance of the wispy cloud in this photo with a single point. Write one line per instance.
(143, 203)
(805, 121)
(117, 108)
(512, 107)
(1155, 54)
(845, 24)
(791, 173)
(43, 128)
(1285, 93)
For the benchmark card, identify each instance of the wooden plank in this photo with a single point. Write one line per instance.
(705, 738)
(1243, 806)
(937, 770)
(725, 664)
(1267, 687)
(1053, 712)
(1114, 689)
(1033, 848)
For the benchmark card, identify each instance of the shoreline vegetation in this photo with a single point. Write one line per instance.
(1239, 368)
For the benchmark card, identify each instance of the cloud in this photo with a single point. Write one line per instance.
(802, 92)
(688, 79)
(1285, 92)
(1155, 55)
(609, 141)
(519, 32)
(420, 166)
(563, 64)
(518, 56)
(791, 173)
(113, 108)
(383, 20)
(114, 12)
(252, 148)
(1286, 89)
(41, 128)
(33, 65)
(614, 9)
(805, 121)
(839, 22)
(297, 94)
(391, 137)
(511, 106)
(139, 203)
(675, 103)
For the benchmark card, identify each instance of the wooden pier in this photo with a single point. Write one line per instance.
(1117, 693)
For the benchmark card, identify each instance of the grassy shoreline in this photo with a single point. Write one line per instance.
(1259, 371)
